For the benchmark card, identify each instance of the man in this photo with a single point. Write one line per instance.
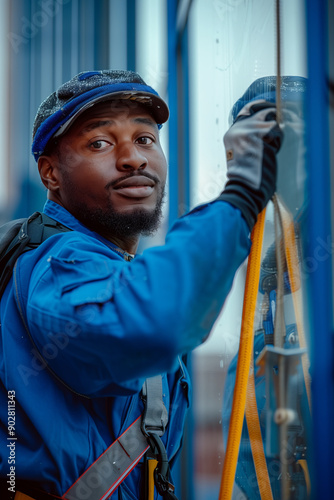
(83, 323)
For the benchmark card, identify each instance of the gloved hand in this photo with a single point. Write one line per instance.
(251, 145)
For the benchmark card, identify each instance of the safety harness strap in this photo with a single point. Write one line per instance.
(111, 468)
(154, 422)
(104, 476)
(155, 416)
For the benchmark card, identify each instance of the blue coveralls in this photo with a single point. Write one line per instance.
(102, 325)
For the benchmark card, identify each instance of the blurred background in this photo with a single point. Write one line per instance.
(201, 56)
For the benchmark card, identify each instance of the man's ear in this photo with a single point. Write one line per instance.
(49, 172)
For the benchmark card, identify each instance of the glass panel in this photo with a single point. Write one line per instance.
(4, 112)
(152, 65)
(331, 108)
(233, 45)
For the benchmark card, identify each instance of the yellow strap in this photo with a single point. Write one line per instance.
(244, 361)
(22, 496)
(291, 253)
(255, 437)
(151, 466)
(303, 463)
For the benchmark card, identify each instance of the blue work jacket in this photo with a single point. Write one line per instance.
(102, 325)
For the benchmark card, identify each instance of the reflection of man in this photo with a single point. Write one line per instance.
(291, 179)
(83, 323)
(290, 186)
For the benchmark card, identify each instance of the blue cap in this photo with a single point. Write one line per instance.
(57, 113)
(293, 89)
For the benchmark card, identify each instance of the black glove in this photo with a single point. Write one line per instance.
(251, 145)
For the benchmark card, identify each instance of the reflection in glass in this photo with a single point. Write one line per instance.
(233, 55)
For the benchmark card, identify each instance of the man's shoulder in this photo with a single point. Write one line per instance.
(63, 254)
(64, 245)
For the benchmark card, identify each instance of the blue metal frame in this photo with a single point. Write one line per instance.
(173, 106)
(179, 181)
(178, 99)
(47, 48)
(131, 35)
(184, 192)
(320, 278)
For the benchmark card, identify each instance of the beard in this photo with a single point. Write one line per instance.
(109, 222)
(123, 225)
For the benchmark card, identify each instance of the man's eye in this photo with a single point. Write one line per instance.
(144, 140)
(100, 144)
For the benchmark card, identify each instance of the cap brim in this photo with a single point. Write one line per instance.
(156, 107)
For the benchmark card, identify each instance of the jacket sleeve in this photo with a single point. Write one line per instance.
(116, 323)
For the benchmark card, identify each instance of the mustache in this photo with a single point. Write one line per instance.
(142, 174)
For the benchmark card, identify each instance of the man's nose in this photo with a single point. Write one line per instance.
(129, 157)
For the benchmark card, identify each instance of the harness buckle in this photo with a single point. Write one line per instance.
(161, 474)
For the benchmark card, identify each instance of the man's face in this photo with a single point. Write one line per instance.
(112, 169)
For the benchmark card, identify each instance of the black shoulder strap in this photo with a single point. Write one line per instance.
(21, 235)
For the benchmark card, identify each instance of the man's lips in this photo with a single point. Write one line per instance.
(135, 187)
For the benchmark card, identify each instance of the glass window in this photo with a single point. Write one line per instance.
(4, 111)
(232, 49)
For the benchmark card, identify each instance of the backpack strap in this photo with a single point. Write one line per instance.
(20, 236)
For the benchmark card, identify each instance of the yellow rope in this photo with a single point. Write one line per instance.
(244, 399)
(244, 361)
(255, 437)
